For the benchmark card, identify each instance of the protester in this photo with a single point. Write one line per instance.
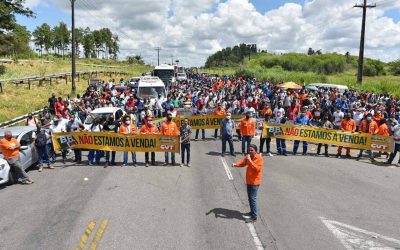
(45, 117)
(218, 111)
(128, 128)
(227, 128)
(266, 140)
(10, 149)
(94, 155)
(247, 130)
(111, 126)
(31, 121)
(303, 120)
(169, 128)
(74, 125)
(325, 123)
(185, 135)
(254, 163)
(41, 137)
(349, 125)
(149, 128)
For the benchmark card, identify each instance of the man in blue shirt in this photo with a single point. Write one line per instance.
(302, 119)
(227, 128)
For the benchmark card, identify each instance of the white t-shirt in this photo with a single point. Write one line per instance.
(281, 110)
(338, 117)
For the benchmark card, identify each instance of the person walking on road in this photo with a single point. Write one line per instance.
(247, 130)
(254, 163)
(227, 128)
(169, 128)
(10, 148)
(128, 128)
(396, 135)
(41, 136)
(266, 140)
(186, 133)
(149, 128)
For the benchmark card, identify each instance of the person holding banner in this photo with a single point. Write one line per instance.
(248, 130)
(218, 111)
(186, 133)
(367, 125)
(149, 128)
(325, 123)
(227, 128)
(266, 140)
(302, 119)
(347, 124)
(95, 154)
(128, 128)
(171, 129)
(201, 111)
(254, 163)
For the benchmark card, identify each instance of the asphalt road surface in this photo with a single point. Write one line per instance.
(305, 202)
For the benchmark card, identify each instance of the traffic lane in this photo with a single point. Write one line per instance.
(302, 189)
(39, 216)
(168, 207)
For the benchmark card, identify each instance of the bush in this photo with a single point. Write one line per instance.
(2, 69)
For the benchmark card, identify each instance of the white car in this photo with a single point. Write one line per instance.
(28, 154)
(103, 113)
(181, 77)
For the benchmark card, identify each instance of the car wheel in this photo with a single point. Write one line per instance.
(11, 178)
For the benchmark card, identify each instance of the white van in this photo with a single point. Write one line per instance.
(150, 87)
(341, 88)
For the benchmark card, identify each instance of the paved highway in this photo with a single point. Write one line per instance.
(305, 202)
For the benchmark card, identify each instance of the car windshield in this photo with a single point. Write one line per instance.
(89, 119)
(145, 92)
(164, 74)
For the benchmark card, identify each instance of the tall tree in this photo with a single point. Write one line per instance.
(42, 36)
(88, 43)
(61, 37)
(8, 10)
(113, 50)
(98, 42)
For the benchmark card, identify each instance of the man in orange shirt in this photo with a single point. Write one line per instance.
(347, 124)
(169, 128)
(247, 130)
(218, 111)
(149, 128)
(254, 163)
(10, 148)
(128, 128)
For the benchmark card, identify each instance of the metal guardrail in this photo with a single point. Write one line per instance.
(28, 80)
(18, 119)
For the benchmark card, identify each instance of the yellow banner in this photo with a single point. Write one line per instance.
(116, 142)
(329, 136)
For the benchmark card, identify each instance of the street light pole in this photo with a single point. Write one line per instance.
(73, 47)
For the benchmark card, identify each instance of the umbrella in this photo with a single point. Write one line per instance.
(289, 85)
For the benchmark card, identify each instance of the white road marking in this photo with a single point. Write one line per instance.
(254, 234)
(227, 170)
(357, 238)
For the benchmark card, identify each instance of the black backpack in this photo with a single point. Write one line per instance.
(41, 138)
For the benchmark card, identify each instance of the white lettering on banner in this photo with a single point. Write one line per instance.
(378, 146)
(166, 147)
(65, 139)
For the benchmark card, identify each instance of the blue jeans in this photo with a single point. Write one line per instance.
(296, 146)
(126, 157)
(167, 157)
(246, 139)
(112, 156)
(43, 154)
(185, 147)
(393, 154)
(252, 195)
(92, 155)
(227, 138)
(281, 146)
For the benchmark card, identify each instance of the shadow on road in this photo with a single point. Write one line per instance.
(226, 213)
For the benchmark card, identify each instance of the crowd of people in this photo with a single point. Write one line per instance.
(330, 108)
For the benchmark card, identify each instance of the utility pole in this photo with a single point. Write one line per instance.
(73, 47)
(172, 61)
(361, 54)
(158, 55)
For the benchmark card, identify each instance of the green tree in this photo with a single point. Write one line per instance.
(61, 38)
(394, 67)
(8, 10)
(113, 48)
(98, 42)
(88, 43)
(310, 52)
(42, 37)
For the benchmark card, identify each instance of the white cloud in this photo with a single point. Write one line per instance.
(191, 30)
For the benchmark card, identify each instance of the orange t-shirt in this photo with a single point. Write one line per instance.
(383, 130)
(254, 169)
(247, 127)
(373, 127)
(149, 130)
(363, 126)
(219, 111)
(169, 128)
(349, 125)
(266, 111)
(6, 144)
(123, 129)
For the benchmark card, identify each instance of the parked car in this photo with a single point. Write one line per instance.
(28, 153)
(103, 112)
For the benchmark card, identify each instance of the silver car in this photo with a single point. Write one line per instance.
(28, 153)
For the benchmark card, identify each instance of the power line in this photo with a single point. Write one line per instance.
(364, 6)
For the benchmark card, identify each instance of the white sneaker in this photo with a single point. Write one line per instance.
(269, 154)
